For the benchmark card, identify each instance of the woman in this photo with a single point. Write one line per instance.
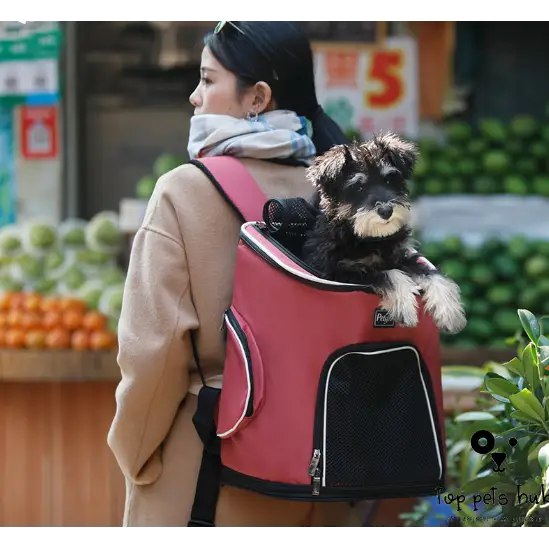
(255, 93)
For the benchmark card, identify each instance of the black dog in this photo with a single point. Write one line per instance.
(362, 234)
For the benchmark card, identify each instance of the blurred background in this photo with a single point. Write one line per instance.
(92, 113)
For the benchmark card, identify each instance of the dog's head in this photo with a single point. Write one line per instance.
(366, 184)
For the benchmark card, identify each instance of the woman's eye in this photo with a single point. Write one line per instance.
(205, 80)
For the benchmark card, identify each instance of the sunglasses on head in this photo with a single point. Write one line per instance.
(219, 27)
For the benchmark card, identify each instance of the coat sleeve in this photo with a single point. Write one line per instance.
(154, 341)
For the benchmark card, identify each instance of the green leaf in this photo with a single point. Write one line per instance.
(543, 457)
(543, 341)
(544, 355)
(515, 366)
(530, 324)
(474, 416)
(498, 385)
(530, 367)
(528, 404)
(515, 432)
(530, 488)
(521, 417)
(479, 484)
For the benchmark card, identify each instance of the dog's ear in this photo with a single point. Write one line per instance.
(328, 168)
(400, 153)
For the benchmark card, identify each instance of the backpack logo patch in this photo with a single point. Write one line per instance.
(382, 319)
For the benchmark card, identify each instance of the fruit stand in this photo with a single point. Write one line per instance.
(60, 297)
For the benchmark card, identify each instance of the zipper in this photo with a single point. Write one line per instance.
(315, 472)
(232, 320)
(327, 287)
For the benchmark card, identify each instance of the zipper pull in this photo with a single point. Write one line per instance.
(316, 483)
(314, 463)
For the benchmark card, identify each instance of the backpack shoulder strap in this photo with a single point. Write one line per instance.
(235, 184)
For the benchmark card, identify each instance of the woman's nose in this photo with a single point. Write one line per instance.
(194, 98)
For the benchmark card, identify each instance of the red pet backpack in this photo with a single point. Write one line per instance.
(323, 398)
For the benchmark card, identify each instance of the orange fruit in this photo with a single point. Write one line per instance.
(32, 302)
(72, 319)
(58, 338)
(2, 339)
(14, 318)
(31, 321)
(50, 303)
(17, 300)
(80, 340)
(94, 321)
(3, 321)
(52, 319)
(35, 339)
(5, 301)
(15, 339)
(102, 340)
(72, 304)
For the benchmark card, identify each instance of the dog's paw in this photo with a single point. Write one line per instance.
(443, 303)
(401, 301)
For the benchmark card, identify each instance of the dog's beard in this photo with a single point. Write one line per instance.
(368, 224)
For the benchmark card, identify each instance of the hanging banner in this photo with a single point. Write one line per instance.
(38, 132)
(29, 56)
(7, 178)
(367, 90)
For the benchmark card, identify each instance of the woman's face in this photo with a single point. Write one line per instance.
(216, 92)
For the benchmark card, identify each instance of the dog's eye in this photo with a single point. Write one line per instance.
(393, 178)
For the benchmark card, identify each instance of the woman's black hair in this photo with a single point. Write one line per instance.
(278, 53)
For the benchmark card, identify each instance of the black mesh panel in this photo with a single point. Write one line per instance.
(378, 426)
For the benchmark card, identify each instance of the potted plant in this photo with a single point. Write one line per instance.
(498, 454)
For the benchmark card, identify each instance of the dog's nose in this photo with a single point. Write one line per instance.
(385, 212)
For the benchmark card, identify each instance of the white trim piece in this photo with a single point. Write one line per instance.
(323, 450)
(249, 392)
(295, 272)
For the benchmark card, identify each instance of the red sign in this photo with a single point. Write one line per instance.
(39, 133)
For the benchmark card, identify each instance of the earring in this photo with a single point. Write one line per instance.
(252, 116)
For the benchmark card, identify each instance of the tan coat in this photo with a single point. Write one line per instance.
(180, 278)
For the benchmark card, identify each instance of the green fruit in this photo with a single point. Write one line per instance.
(421, 168)
(145, 187)
(476, 146)
(526, 166)
(454, 269)
(518, 247)
(443, 168)
(467, 166)
(492, 246)
(480, 308)
(501, 295)
(506, 267)
(481, 274)
(74, 278)
(434, 187)
(75, 237)
(540, 185)
(513, 184)
(493, 130)
(537, 266)
(166, 163)
(459, 132)
(10, 244)
(42, 236)
(44, 286)
(524, 126)
(480, 329)
(539, 150)
(507, 321)
(496, 162)
(530, 299)
(514, 147)
(485, 185)
(31, 267)
(92, 297)
(453, 245)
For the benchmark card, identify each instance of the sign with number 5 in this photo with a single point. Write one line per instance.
(370, 89)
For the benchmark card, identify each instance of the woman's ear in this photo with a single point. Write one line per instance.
(262, 97)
